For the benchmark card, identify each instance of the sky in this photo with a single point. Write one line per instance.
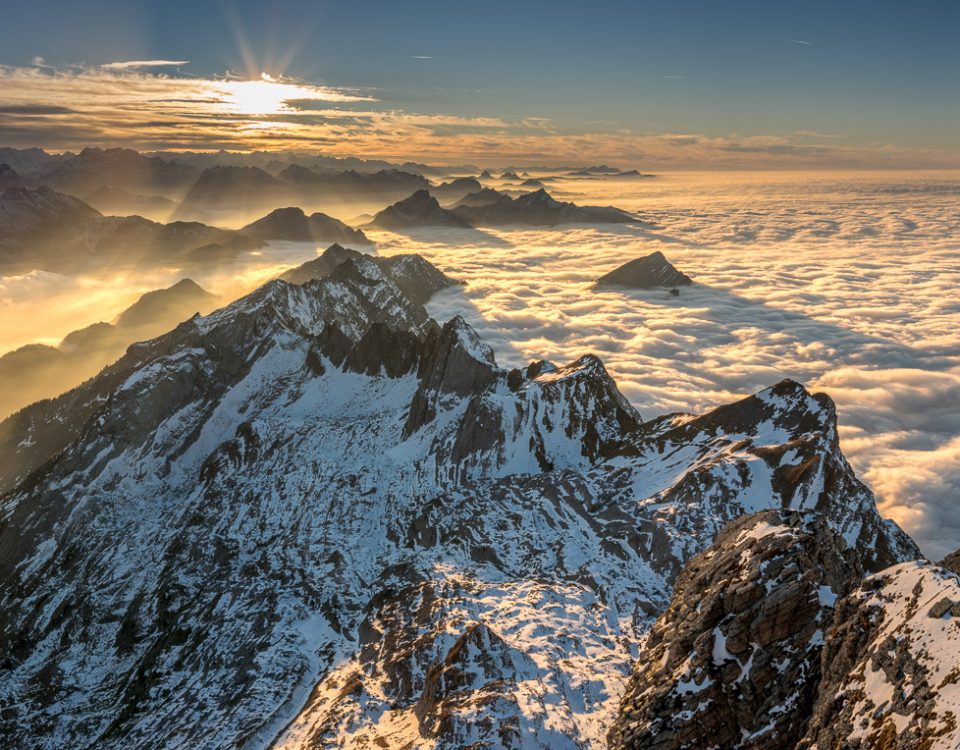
(690, 83)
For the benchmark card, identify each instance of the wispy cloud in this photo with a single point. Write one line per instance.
(138, 64)
(801, 41)
(421, 57)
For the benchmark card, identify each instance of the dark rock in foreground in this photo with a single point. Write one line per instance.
(648, 272)
(735, 659)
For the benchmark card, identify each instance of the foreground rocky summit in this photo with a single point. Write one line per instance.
(316, 518)
(773, 639)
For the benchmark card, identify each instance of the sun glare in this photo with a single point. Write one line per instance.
(264, 96)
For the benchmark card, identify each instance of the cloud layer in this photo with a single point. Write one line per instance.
(847, 283)
(157, 105)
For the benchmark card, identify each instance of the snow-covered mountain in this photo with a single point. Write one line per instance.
(317, 518)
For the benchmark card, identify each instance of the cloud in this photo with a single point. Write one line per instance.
(801, 41)
(137, 64)
(845, 281)
(168, 110)
(421, 57)
(839, 281)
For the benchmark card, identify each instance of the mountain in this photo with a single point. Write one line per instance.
(118, 202)
(125, 169)
(416, 278)
(890, 667)
(732, 660)
(773, 639)
(536, 209)
(233, 188)
(27, 161)
(36, 372)
(383, 186)
(952, 562)
(419, 210)
(166, 304)
(316, 517)
(451, 192)
(323, 265)
(294, 225)
(601, 169)
(33, 217)
(46, 230)
(9, 178)
(250, 189)
(649, 272)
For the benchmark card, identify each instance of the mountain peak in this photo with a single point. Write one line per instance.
(419, 209)
(648, 272)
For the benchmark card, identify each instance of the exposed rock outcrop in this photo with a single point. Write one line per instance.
(649, 272)
(418, 279)
(891, 666)
(735, 660)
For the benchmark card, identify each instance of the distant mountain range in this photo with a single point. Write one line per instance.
(488, 207)
(46, 230)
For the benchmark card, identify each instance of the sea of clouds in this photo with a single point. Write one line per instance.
(846, 282)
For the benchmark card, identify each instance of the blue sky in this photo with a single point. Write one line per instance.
(871, 73)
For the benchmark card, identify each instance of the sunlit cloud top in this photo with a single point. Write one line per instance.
(159, 105)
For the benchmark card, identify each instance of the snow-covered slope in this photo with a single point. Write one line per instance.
(316, 518)
(891, 664)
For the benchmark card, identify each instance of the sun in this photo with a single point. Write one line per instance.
(263, 96)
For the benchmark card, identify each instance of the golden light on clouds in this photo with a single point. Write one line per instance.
(155, 105)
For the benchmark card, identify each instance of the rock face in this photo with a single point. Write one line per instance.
(735, 660)
(891, 666)
(649, 272)
(773, 640)
(419, 210)
(317, 518)
(416, 278)
(951, 562)
(536, 209)
(294, 225)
